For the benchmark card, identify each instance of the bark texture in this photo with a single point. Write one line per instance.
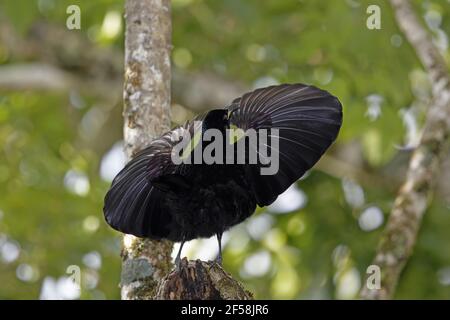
(147, 114)
(197, 280)
(400, 234)
(146, 263)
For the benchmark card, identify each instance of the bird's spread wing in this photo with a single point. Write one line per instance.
(133, 203)
(308, 121)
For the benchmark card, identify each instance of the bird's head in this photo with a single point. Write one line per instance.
(216, 119)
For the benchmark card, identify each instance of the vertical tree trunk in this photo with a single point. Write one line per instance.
(147, 114)
(400, 234)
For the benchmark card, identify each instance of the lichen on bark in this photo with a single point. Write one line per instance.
(147, 115)
(147, 263)
(401, 231)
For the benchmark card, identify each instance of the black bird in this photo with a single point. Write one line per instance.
(155, 198)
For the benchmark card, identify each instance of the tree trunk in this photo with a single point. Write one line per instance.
(147, 114)
(147, 263)
(400, 234)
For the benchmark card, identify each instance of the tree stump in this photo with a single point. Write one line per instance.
(200, 280)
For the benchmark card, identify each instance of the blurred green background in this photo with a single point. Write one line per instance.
(61, 128)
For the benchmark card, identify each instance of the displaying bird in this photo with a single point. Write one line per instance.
(153, 197)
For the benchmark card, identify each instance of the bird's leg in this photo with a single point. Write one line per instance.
(178, 258)
(219, 240)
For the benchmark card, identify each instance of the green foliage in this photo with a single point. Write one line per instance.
(318, 251)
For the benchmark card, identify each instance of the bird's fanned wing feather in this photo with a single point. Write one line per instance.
(133, 203)
(308, 121)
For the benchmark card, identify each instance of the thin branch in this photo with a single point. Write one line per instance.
(201, 91)
(35, 76)
(48, 77)
(400, 234)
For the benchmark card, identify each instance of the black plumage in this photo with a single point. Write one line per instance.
(153, 197)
